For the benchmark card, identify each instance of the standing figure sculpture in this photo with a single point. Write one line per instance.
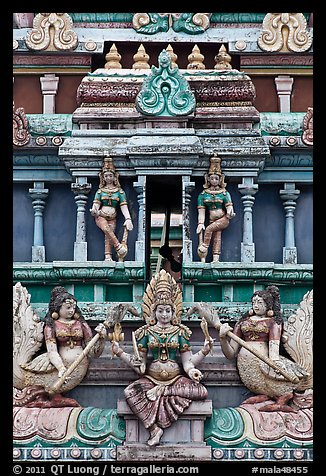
(218, 202)
(65, 334)
(162, 393)
(255, 343)
(107, 199)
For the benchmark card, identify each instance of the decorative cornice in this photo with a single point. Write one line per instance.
(55, 272)
(52, 32)
(285, 32)
(272, 273)
(165, 92)
(21, 135)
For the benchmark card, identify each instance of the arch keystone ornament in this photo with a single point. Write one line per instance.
(165, 92)
(51, 32)
(285, 32)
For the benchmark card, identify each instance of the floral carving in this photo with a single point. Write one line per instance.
(21, 135)
(285, 32)
(307, 136)
(51, 32)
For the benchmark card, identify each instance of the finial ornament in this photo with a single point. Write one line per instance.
(113, 58)
(141, 59)
(223, 59)
(173, 56)
(196, 59)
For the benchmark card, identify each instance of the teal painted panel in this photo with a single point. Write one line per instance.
(84, 292)
(119, 293)
(208, 293)
(39, 293)
(242, 293)
(293, 294)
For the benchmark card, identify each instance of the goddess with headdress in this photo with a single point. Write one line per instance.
(217, 200)
(165, 388)
(107, 199)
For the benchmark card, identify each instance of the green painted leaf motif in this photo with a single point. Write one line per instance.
(98, 423)
(224, 424)
(165, 92)
(157, 23)
(185, 24)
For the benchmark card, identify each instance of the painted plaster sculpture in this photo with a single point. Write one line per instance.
(107, 199)
(39, 377)
(162, 392)
(217, 200)
(257, 340)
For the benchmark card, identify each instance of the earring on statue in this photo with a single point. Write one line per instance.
(251, 312)
(55, 316)
(270, 313)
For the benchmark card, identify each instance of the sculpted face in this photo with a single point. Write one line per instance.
(259, 306)
(163, 314)
(67, 309)
(214, 180)
(109, 177)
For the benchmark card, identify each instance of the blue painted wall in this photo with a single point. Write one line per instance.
(60, 223)
(23, 223)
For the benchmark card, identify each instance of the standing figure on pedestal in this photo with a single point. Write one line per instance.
(218, 202)
(107, 199)
(163, 392)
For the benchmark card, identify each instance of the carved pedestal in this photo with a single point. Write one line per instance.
(184, 440)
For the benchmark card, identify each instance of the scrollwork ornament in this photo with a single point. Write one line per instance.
(51, 32)
(191, 23)
(150, 23)
(285, 32)
(21, 135)
(307, 136)
(165, 92)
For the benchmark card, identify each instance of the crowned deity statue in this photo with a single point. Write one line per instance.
(108, 199)
(217, 200)
(165, 388)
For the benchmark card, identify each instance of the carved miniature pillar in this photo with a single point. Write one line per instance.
(81, 190)
(187, 188)
(248, 189)
(49, 86)
(284, 88)
(140, 188)
(289, 196)
(38, 195)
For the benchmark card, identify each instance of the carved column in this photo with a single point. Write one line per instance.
(248, 189)
(284, 88)
(140, 188)
(81, 190)
(49, 87)
(38, 195)
(187, 189)
(289, 196)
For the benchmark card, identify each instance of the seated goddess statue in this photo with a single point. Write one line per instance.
(165, 388)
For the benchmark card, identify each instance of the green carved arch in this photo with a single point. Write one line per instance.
(165, 92)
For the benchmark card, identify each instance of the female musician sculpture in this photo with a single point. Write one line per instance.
(218, 201)
(105, 205)
(162, 393)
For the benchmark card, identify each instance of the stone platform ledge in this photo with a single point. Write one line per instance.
(183, 440)
(164, 452)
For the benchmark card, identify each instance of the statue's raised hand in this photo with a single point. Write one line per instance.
(206, 311)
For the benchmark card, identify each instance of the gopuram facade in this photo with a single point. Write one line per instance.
(162, 168)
